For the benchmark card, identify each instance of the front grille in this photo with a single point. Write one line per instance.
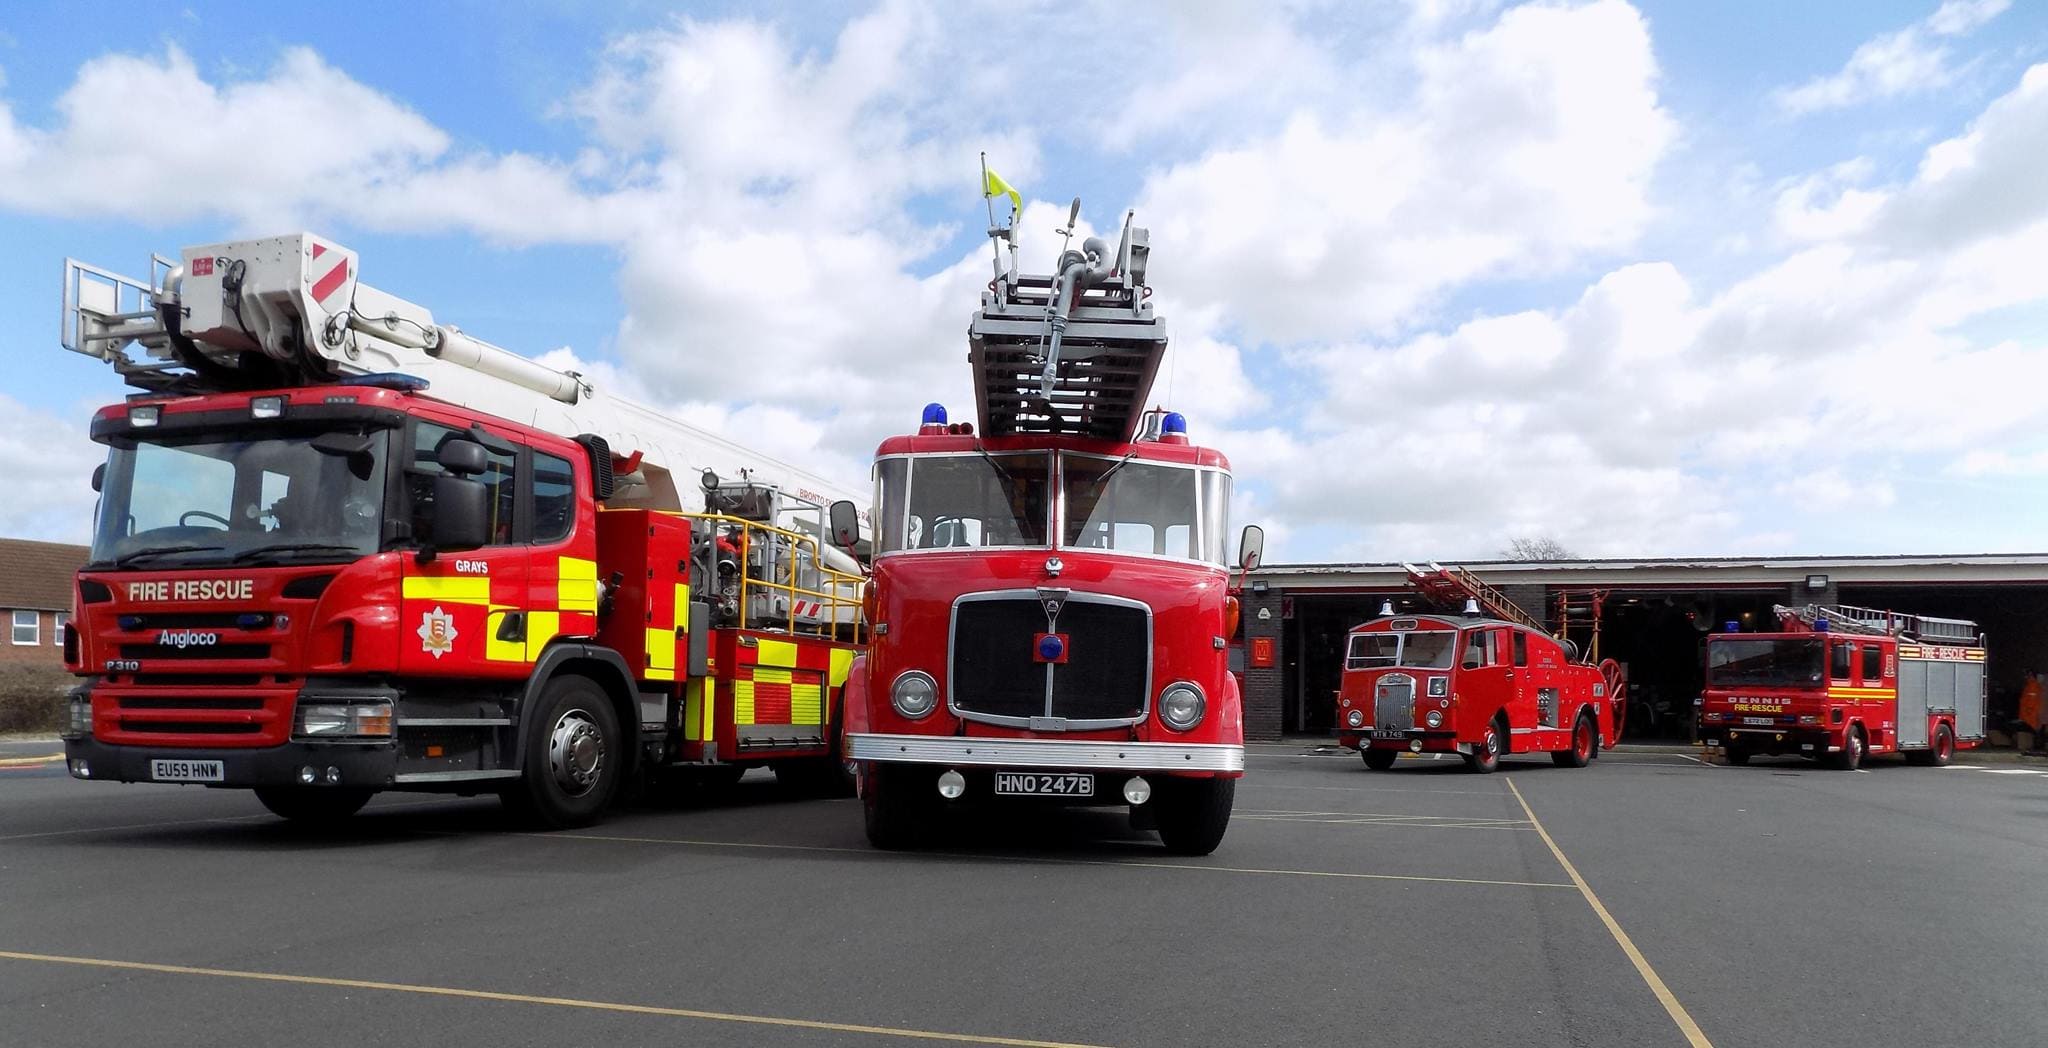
(1393, 703)
(217, 652)
(154, 727)
(156, 702)
(195, 680)
(1107, 675)
(184, 620)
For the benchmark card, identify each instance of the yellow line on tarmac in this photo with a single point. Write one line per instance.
(559, 1002)
(1044, 860)
(1693, 1035)
(26, 762)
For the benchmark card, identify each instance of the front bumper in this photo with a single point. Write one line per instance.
(373, 765)
(1787, 738)
(1077, 755)
(1437, 740)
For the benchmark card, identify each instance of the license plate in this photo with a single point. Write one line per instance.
(1043, 784)
(1765, 721)
(1388, 733)
(187, 771)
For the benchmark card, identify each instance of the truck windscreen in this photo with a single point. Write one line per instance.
(1785, 662)
(1138, 507)
(1428, 649)
(963, 501)
(246, 497)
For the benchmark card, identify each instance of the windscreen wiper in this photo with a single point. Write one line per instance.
(294, 547)
(127, 559)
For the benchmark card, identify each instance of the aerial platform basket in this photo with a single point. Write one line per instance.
(1072, 354)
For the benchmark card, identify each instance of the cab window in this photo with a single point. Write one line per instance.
(1481, 650)
(1521, 648)
(500, 476)
(1843, 657)
(1873, 663)
(554, 497)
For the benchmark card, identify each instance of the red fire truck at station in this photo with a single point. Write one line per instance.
(342, 549)
(1051, 603)
(1837, 684)
(1481, 684)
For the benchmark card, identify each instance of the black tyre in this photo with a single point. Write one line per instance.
(896, 802)
(1734, 753)
(1485, 757)
(1940, 750)
(572, 759)
(1853, 748)
(822, 777)
(1585, 743)
(1193, 813)
(1379, 760)
(312, 805)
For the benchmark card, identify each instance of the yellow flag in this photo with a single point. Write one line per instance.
(997, 187)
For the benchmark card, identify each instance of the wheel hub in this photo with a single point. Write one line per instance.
(576, 752)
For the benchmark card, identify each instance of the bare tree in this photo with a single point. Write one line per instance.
(1536, 547)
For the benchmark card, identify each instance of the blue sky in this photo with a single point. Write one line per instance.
(1667, 278)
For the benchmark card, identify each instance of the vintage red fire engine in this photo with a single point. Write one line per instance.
(1050, 600)
(1479, 685)
(1841, 683)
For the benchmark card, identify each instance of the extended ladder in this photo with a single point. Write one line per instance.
(1070, 354)
(1875, 622)
(1452, 587)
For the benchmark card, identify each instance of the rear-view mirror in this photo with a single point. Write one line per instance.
(99, 476)
(464, 458)
(462, 513)
(1251, 547)
(845, 524)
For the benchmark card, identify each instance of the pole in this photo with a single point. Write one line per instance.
(995, 250)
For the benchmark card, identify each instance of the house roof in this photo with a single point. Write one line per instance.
(38, 574)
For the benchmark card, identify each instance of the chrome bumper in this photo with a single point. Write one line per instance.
(1047, 753)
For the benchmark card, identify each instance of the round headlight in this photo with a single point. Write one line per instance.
(1434, 718)
(1181, 706)
(915, 694)
(1356, 719)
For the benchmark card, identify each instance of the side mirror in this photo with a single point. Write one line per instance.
(353, 448)
(845, 524)
(462, 512)
(99, 477)
(464, 458)
(1251, 547)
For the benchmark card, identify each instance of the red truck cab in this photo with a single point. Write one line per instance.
(1477, 687)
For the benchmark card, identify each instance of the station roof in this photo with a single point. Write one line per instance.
(37, 575)
(1683, 572)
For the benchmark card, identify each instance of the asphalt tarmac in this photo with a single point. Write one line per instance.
(1647, 900)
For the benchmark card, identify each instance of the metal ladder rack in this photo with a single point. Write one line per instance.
(1876, 622)
(1071, 354)
(1452, 587)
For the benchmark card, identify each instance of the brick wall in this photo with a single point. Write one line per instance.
(1264, 689)
(48, 650)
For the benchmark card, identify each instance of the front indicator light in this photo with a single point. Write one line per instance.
(342, 721)
(915, 694)
(1434, 718)
(1439, 687)
(1137, 790)
(1809, 718)
(1181, 706)
(1356, 719)
(952, 784)
(81, 717)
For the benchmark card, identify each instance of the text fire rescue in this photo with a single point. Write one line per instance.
(193, 589)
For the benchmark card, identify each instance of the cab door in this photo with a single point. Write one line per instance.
(1486, 681)
(460, 610)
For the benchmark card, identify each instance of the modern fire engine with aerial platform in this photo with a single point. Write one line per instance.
(1051, 600)
(1840, 683)
(1481, 684)
(343, 548)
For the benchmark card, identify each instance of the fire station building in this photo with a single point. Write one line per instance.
(1653, 615)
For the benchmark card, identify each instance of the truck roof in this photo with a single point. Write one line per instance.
(1146, 450)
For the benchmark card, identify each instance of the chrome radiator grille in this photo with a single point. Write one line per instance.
(1393, 703)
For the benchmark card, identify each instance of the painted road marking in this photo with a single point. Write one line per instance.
(30, 762)
(1043, 860)
(559, 1002)
(1366, 818)
(1693, 1034)
(1243, 785)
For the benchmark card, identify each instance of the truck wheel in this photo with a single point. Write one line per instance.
(1485, 757)
(1585, 741)
(1733, 753)
(1379, 760)
(572, 757)
(1193, 813)
(814, 777)
(312, 805)
(1939, 751)
(895, 802)
(1851, 757)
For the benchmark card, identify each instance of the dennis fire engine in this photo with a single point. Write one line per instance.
(342, 548)
(1841, 683)
(1488, 682)
(1049, 603)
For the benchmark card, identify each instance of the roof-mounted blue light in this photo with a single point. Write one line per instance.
(397, 380)
(1173, 424)
(935, 414)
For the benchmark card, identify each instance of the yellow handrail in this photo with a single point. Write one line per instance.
(839, 602)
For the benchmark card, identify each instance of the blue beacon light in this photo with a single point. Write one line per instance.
(935, 414)
(1173, 424)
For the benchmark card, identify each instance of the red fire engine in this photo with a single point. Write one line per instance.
(329, 562)
(1050, 600)
(1841, 683)
(1485, 683)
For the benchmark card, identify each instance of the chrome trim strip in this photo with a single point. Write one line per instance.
(1073, 596)
(453, 776)
(1047, 753)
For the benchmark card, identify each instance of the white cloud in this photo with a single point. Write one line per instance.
(1905, 61)
(48, 462)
